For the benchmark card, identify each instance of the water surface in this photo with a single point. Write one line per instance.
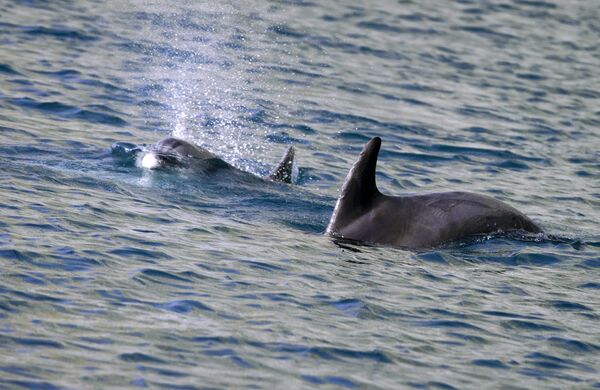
(113, 276)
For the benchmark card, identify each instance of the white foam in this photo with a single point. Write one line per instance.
(149, 161)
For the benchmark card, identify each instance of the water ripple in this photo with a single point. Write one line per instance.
(116, 276)
(69, 112)
(61, 33)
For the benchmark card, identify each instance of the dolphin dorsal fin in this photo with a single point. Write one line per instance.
(283, 170)
(359, 189)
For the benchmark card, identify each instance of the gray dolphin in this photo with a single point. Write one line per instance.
(364, 214)
(175, 152)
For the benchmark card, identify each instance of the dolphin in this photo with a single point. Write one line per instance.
(414, 222)
(173, 152)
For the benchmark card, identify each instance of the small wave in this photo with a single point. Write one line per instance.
(34, 342)
(490, 363)
(569, 306)
(513, 165)
(282, 29)
(180, 276)
(138, 357)
(452, 324)
(591, 263)
(30, 384)
(328, 353)
(504, 314)
(551, 362)
(536, 3)
(69, 112)
(397, 130)
(396, 29)
(487, 33)
(285, 138)
(591, 285)
(9, 70)
(531, 76)
(61, 33)
(288, 70)
(353, 307)
(231, 354)
(61, 74)
(139, 253)
(434, 385)
(535, 258)
(530, 326)
(66, 262)
(338, 381)
(471, 338)
(184, 306)
(485, 113)
(162, 372)
(259, 265)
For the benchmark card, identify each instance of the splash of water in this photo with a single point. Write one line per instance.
(208, 71)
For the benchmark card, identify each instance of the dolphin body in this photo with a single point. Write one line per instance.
(364, 214)
(173, 152)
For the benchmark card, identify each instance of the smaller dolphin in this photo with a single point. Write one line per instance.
(362, 213)
(173, 152)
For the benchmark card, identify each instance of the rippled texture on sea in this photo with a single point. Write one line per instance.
(116, 277)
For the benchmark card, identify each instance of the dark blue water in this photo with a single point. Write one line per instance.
(113, 276)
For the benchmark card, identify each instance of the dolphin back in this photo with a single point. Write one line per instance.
(363, 214)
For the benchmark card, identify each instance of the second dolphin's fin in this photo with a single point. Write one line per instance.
(283, 171)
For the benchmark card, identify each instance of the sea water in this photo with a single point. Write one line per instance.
(114, 276)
